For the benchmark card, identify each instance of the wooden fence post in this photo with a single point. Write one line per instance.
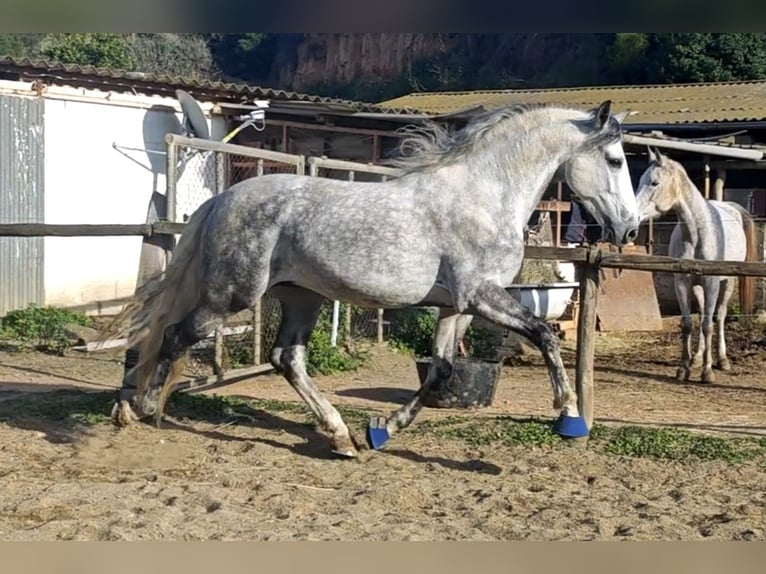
(257, 331)
(586, 339)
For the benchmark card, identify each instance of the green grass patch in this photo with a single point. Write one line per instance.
(629, 441)
(94, 408)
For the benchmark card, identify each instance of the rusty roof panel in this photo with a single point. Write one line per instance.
(655, 104)
(162, 84)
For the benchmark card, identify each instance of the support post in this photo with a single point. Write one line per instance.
(380, 325)
(707, 177)
(257, 331)
(718, 184)
(586, 340)
(220, 186)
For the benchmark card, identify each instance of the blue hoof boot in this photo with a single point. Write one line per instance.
(570, 427)
(377, 433)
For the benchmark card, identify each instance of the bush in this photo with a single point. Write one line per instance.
(41, 328)
(413, 332)
(414, 329)
(321, 357)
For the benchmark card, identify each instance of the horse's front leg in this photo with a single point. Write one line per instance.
(682, 285)
(450, 329)
(712, 287)
(495, 304)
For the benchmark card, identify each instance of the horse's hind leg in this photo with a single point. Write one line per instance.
(699, 295)
(723, 309)
(300, 310)
(176, 340)
(450, 328)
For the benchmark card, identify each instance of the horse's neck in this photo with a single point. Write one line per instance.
(693, 212)
(521, 179)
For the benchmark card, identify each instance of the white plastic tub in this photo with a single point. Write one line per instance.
(548, 301)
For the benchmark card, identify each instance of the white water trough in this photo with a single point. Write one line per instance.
(547, 300)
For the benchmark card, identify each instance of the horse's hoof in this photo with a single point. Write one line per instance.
(344, 447)
(708, 376)
(724, 364)
(682, 374)
(570, 427)
(377, 432)
(122, 414)
(345, 453)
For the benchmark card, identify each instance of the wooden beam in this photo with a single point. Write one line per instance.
(230, 377)
(77, 230)
(586, 341)
(324, 128)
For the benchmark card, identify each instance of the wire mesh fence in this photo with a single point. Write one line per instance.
(198, 170)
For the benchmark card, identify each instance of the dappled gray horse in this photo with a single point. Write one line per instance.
(448, 233)
(706, 229)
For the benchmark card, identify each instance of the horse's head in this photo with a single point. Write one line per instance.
(598, 174)
(657, 189)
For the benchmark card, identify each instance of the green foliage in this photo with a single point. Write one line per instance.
(480, 343)
(92, 408)
(687, 57)
(413, 332)
(41, 328)
(100, 49)
(630, 441)
(675, 444)
(252, 57)
(20, 45)
(325, 359)
(321, 357)
(185, 55)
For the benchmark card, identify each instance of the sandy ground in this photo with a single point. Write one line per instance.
(271, 478)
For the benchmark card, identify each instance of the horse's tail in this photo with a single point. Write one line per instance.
(751, 236)
(747, 284)
(166, 298)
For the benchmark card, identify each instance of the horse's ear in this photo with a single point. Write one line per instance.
(621, 116)
(602, 114)
(655, 155)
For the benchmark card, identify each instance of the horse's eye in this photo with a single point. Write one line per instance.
(655, 183)
(615, 162)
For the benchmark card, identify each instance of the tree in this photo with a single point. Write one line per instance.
(687, 57)
(101, 50)
(20, 45)
(185, 55)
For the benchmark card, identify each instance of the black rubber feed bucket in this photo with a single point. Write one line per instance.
(472, 384)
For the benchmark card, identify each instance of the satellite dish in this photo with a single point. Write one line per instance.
(194, 119)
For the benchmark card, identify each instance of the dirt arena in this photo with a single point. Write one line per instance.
(264, 472)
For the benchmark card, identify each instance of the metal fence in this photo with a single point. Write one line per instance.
(198, 169)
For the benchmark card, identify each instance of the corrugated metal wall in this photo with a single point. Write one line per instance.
(21, 200)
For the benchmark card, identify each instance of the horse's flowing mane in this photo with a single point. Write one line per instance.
(432, 144)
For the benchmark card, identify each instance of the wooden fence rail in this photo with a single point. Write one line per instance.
(636, 261)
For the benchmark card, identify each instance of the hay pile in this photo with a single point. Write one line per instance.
(536, 271)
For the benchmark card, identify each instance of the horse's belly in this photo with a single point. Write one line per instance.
(370, 287)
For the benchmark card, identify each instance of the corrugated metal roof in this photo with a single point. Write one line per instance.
(161, 84)
(655, 104)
